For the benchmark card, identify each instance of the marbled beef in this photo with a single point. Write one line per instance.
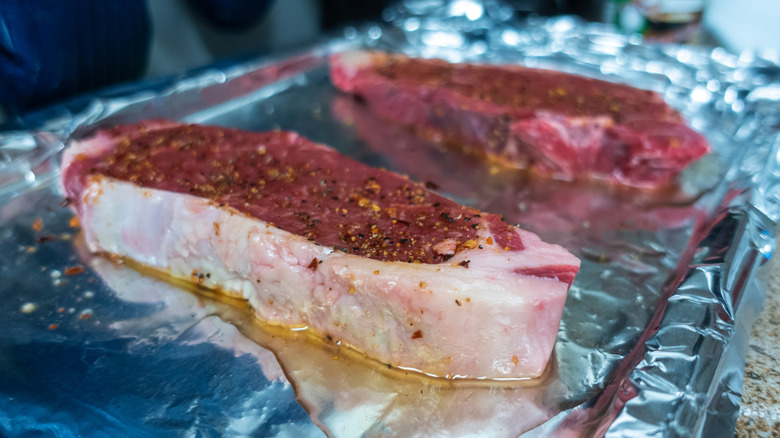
(311, 238)
(554, 123)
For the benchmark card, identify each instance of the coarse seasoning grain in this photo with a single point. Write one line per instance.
(301, 188)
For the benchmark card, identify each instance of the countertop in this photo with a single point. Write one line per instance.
(759, 414)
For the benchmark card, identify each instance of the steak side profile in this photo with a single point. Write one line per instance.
(311, 238)
(553, 123)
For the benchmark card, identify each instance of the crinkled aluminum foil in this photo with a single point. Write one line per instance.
(653, 334)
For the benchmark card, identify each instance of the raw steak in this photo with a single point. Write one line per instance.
(553, 123)
(311, 238)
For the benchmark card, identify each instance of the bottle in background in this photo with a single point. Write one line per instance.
(677, 21)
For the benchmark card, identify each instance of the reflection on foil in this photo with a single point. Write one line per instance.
(345, 393)
(118, 355)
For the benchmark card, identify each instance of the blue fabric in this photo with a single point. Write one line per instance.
(231, 15)
(52, 49)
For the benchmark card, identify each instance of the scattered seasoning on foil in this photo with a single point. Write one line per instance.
(74, 270)
(38, 224)
(29, 307)
(316, 111)
(54, 326)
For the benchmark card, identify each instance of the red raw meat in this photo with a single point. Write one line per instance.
(311, 238)
(554, 123)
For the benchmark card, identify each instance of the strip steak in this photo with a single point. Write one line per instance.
(554, 123)
(311, 238)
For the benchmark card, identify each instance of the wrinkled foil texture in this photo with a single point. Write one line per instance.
(653, 335)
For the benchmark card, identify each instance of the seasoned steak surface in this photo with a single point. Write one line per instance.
(299, 186)
(523, 91)
(257, 216)
(553, 123)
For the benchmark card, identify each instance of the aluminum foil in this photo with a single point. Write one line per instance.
(653, 334)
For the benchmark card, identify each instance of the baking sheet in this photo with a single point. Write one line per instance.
(652, 338)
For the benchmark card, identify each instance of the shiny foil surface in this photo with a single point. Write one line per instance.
(654, 330)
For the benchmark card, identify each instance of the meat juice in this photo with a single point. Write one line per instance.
(349, 394)
(345, 392)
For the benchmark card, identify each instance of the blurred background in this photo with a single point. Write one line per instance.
(53, 49)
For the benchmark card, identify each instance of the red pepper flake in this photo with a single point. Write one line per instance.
(506, 248)
(74, 222)
(314, 263)
(46, 238)
(514, 359)
(417, 335)
(54, 326)
(458, 302)
(74, 270)
(465, 263)
(489, 240)
(38, 224)
(216, 228)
